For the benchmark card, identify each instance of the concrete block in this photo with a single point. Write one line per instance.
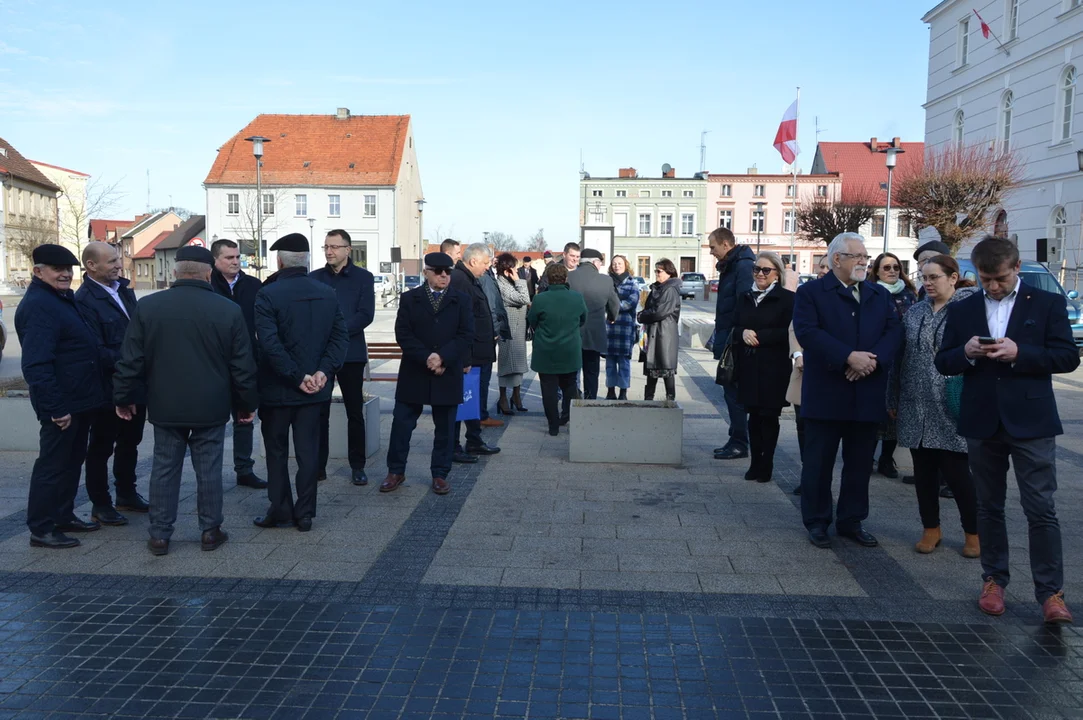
(19, 426)
(338, 448)
(695, 332)
(621, 431)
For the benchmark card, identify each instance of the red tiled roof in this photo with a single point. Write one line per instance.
(13, 163)
(862, 168)
(57, 167)
(100, 229)
(372, 144)
(148, 250)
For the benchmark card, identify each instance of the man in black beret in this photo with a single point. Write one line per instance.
(303, 342)
(435, 329)
(60, 363)
(186, 356)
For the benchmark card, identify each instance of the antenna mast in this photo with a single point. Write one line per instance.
(818, 130)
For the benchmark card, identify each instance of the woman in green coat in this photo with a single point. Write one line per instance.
(556, 316)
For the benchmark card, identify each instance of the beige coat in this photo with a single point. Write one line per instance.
(793, 391)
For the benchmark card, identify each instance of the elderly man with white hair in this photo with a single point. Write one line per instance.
(850, 333)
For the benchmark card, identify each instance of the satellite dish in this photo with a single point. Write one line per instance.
(666, 168)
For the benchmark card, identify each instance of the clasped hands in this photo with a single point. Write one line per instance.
(435, 363)
(312, 384)
(859, 365)
(1003, 350)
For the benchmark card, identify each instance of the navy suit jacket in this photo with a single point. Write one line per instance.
(107, 321)
(1017, 396)
(829, 326)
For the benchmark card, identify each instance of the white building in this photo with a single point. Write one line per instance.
(1017, 89)
(322, 172)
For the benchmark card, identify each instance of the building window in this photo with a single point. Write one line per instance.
(1058, 230)
(688, 224)
(788, 225)
(688, 193)
(725, 219)
(622, 193)
(645, 224)
(821, 191)
(957, 130)
(665, 224)
(268, 204)
(370, 206)
(1006, 121)
(902, 228)
(964, 42)
(877, 226)
(791, 190)
(667, 193)
(301, 203)
(597, 214)
(644, 193)
(595, 193)
(334, 205)
(1065, 105)
(643, 266)
(1000, 226)
(727, 191)
(1011, 20)
(233, 204)
(758, 191)
(757, 221)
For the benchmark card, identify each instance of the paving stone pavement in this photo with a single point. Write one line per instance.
(538, 588)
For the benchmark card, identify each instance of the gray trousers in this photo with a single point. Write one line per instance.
(242, 447)
(1036, 475)
(170, 444)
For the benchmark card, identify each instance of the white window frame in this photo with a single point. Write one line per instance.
(958, 129)
(1058, 228)
(1067, 84)
(1011, 20)
(962, 55)
(334, 206)
(369, 204)
(821, 191)
(688, 224)
(640, 217)
(595, 193)
(300, 205)
(759, 221)
(665, 224)
(597, 214)
(1007, 102)
(759, 191)
(789, 222)
(667, 193)
(725, 219)
(622, 193)
(727, 190)
(791, 190)
(233, 203)
(688, 193)
(268, 204)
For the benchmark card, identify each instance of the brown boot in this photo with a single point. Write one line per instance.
(971, 548)
(930, 540)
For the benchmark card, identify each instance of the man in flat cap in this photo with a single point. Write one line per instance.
(303, 341)
(435, 329)
(187, 358)
(602, 305)
(61, 366)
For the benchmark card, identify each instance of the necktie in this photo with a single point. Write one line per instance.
(436, 295)
(856, 292)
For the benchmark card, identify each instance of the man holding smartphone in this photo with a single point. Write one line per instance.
(1007, 342)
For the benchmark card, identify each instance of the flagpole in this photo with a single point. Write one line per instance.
(793, 226)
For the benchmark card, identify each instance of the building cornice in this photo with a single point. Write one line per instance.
(938, 10)
(829, 177)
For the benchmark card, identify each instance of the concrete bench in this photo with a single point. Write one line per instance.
(626, 431)
(695, 331)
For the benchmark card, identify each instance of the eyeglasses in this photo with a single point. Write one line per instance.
(439, 271)
(856, 256)
(890, 268)
(335, 247)
(658, 270)
(931, 277)
(762, 270)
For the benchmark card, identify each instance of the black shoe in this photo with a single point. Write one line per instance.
(78, 526)
(908, 480)
(753, 473)
(53, 541)
(888, 469)
(945, 492)
(554, 431)
(482, 449)
(797, 490)
(107, 515)
(564, 420)
(270, 521)
(859, 535)
(132, 503)
(321, 476)
(623, 394)
(464, 458)
(360, 478)
(819, 538)
(611, 394)
(252, 480)
(730, 453)
(304, 524)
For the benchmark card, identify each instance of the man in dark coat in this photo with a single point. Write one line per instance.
(528, 273)
(61, 365)
(186, 357)
(850, 334)
(228, 280)
(734, 280)
(355, 289)
(303, 341)
(1008, 410)
(482, 352)
(107, 303)
(603, 305)
(435, 329)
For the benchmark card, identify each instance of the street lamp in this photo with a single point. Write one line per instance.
(891, 152)
(311, 229)
(257, 150)
(759, 224)
(420, 248)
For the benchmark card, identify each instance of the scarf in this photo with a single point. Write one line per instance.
(894, 288)
(618, 279)
(758, 295)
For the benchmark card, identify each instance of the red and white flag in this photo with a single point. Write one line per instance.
(984, 27)
(786, 137)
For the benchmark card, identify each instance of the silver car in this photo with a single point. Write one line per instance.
(692, 284)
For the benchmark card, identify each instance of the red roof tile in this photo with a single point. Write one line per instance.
(861, 168)
(148, 250)
(100, 229)
(13, 163)
(372, 144)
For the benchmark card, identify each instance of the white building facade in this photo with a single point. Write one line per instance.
(1017, 91)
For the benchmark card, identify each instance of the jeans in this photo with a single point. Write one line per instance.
(402, 428)
(111, 436)
(1036, 475)
(618, 372)
(549, 385)
(592, 361)
(351, 380)
(822, 438)
(738, 419)
(207, 446)
(54, 480)
(931, 465)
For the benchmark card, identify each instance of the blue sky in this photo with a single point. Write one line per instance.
(504, 96)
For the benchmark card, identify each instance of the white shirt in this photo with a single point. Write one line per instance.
(114, 292)
(998, 312)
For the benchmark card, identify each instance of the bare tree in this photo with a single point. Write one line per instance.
(536, 243)
(439, 234)
(956, 188)
(246, 222)
(77, 209)
(820, 219)
(502, 242)
(183, 213)
(31, 233)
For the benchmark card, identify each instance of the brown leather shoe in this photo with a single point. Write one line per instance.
(930, 540)
(213, 539)
(492, 422)
(440, 486)
(991, 601)
(972, 547)
(1055, 610)
(392, 482)
(157, 546)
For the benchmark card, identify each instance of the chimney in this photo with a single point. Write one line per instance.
(627, 173)
(343, 114)
(896, 142)
(753, 170)
(873, 145)
(671, 173)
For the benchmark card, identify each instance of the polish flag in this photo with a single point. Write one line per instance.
(786, 137)
(984, 27)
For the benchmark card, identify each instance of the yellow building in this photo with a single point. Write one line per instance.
(28, 213)
(72, 212)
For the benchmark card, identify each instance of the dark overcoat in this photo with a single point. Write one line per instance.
(734, 280)
(483, 349)
(107, 321)
(421, 330)
(661, 318)
(829, 325)
(556, 316)
(763, 372)
(603, 305)
(1017, 395)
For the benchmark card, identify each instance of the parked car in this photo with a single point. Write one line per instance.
(3, 330)
(384, 284)
(804, 278)
(714, 285)
(641, 282)
(692, 284)
(410, 282)
(1038, 275)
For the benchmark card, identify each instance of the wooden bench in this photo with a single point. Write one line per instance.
(383, 351)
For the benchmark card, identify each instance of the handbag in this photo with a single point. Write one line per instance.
(470, 407)
(953, 395)
(726, 372)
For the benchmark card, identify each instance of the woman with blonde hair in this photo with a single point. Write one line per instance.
(622, 333)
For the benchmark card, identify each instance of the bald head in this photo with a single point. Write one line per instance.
(102, 262)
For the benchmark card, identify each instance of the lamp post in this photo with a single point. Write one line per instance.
(311, 229)
(257, 150)
(759, 224)
(891, 152)
(420, 242)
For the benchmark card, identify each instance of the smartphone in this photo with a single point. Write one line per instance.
(987, 341)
